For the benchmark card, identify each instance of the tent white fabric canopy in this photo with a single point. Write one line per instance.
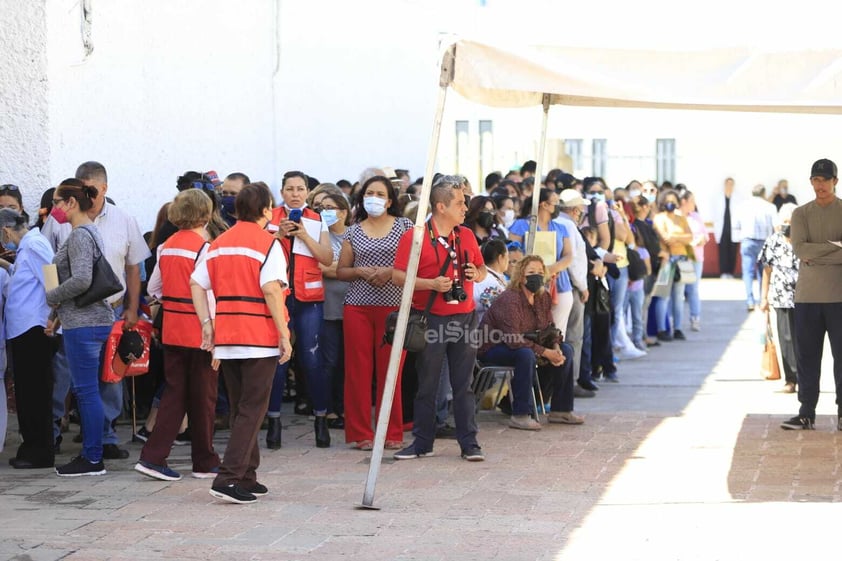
(805, 81)
(737, 79)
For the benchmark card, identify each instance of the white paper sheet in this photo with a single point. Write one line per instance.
(314, 229)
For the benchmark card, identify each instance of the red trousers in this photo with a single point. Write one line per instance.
(365, 354)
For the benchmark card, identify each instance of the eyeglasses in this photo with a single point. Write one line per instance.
(57, 201)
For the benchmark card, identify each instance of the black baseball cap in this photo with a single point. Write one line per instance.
(129, 349)
(823, 168)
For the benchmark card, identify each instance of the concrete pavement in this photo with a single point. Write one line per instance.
(683, 459)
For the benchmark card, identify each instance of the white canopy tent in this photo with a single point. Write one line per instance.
(777, 81)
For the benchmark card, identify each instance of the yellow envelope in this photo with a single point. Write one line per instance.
(545, 246)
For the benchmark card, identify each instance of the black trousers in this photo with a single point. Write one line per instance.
(785, 319)
(32, 355)
(812, 322)
(727, 254)
(601, 352)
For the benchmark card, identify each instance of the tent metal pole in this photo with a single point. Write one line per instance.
(408, 289)
(536, 187)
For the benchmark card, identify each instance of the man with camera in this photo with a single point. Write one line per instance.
(449, 265)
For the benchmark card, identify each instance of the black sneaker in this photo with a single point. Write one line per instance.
(473, 454)
(798, 423)
(154, 471)
(183, 438)
(679, 335)
(258, 490)
(142, 435)
(410, 453)
(79, 466)
(233, 494)
(114, 452)
(839, 422)
(446, 431)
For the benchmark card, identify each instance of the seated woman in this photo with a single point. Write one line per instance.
(525, 307)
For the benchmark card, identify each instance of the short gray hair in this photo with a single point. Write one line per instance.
(758, 190)
(10, 218)
(442, 191)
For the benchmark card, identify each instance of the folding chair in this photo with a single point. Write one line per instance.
(486, 376)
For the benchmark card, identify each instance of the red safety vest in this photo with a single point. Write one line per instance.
(181, 326)
(307, 281)
(234, 262)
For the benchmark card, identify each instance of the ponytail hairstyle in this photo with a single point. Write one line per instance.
(73, 188)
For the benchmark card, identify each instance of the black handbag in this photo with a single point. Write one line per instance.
(637, 266)
(104, 282)
(415, 339)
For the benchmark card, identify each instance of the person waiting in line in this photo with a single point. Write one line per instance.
(675, 236)
(368, 253)
(86, 328)
(597, 358)
(228, 191)
(306, 243)
(26, 317)
(496, 259)
(12, 198)
(191, 380)
(548, 211)
(780, 275)
(816, 230)
(526, 308)
(246, 270)
(516, 253)
(452, 247)
(333, 207)
(700, 238)
(482, 219)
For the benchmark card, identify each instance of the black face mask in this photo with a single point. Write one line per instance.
(555, 213)
(534, 283)
(785, 230)
(485, 219)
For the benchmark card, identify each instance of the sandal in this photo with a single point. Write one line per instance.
(364, 445)
(394, 445)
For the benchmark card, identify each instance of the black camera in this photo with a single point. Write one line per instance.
(456, 294)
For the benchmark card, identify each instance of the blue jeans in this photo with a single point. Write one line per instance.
(618, 288)
(691, 292)
(587, 350)
(83, 348)
(523, 359)
(61, 385)
(675, 303)
(112, 400)
(305, 319)
(332, 347)
(749, 250)
(636, 299)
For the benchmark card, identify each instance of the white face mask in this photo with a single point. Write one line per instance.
(329, 216)
(375, 206)
(508, 217)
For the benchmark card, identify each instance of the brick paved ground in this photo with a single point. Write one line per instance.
(681, 460)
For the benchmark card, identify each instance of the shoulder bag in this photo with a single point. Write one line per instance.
(104, 282)
(415, 339)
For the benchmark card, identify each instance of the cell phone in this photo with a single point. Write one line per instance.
(295, 215)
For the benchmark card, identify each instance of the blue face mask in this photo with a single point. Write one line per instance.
(670, 207)
(228, 204)
(11, 246)
(329, 217)
(598, 197)
(651, 197)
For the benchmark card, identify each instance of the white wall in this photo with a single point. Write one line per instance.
(170, 86)
(24, 139)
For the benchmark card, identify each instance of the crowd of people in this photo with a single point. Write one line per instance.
(290, 299)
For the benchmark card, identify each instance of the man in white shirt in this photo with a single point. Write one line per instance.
(125, 251)
(572, 207)
(755, 221)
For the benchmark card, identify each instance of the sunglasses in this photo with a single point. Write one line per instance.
(9, 187)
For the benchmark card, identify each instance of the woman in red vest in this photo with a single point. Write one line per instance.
(246, 269)
(191, 381)
(306, 242)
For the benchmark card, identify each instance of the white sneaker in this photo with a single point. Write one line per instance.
(524, 422)
(695, 324)
(631, 353)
